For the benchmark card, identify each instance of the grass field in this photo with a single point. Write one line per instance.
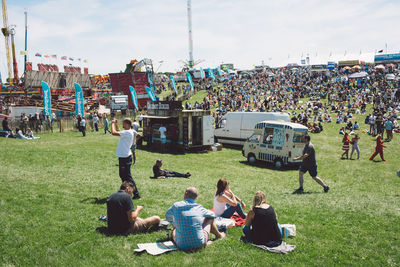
(53, 190)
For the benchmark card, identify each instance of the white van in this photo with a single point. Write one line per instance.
(275, 141)
(235, 127)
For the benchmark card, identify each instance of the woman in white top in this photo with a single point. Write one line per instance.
(29, 134)
(226, 202)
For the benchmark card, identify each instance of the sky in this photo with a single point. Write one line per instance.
(246, 33)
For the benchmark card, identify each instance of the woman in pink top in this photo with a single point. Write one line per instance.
(226, 202)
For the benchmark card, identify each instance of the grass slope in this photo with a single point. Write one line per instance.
(53, 191)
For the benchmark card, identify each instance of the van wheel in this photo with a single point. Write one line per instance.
(278, 163)
(251, 158)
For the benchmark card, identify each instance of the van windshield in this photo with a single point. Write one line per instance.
(255, 138)
(298, 136)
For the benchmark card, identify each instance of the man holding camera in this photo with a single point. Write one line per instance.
(124, 154)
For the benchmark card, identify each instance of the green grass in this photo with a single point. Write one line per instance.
(49, 215)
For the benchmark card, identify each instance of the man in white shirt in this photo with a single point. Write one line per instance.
(163, 137)
(140, 118)
(83, 126)
(124, 154)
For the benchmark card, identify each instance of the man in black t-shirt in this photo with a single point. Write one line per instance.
(122, 218)
(309, 164)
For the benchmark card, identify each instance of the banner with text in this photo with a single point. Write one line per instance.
(46, 99)
(202, 73)
(79, 104)
(190, 80)
(134, 97)
(150, 93)
(173, 84)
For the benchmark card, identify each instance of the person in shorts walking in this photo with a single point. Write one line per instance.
(309, 165)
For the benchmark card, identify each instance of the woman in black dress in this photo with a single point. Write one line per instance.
(261, 227)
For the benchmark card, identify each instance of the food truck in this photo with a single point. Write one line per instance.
(277, 142)
(186, 130)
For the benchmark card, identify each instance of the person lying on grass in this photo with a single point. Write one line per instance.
(161, 173)
(192, 222)
(226, 202)
(261, 226)
(122, 217)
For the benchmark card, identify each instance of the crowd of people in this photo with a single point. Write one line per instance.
(281, 90)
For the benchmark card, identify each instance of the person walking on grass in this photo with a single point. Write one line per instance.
(124, 153)
(354, 146)
(106, 127)
(378, 148)
(346, 146)
(309, 164)
(96, 122)
(82, 124)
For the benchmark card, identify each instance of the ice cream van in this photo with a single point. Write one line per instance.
(277, 142)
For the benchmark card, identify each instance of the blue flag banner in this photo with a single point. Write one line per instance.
(173, 83)
(134, 97)
(190, 80)
(219, 71)
(46, 99)
(151, 94)
(79, 104)
(211, 74)
(227, 69)
(202, 74)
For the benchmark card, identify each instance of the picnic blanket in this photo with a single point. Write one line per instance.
(289, 230)
(224, 222)
(235, 217)
(157, 248)
(283, 248)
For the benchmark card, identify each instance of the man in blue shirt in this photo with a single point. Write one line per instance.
(193, 223)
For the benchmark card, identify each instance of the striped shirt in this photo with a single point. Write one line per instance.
(188, 217)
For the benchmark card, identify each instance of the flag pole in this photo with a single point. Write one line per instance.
(26, 37)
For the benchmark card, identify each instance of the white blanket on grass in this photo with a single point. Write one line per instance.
(156, 248)
(283, 248)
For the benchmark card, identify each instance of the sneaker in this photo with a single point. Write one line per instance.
(299, 190)
(103, 218)
(326, 189)
(137, 196)
(163, 224)
(187, 175)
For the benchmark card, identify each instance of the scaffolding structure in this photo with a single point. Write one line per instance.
(56, 80)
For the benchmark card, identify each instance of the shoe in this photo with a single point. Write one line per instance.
(187, 175)
(137, 196)
(326, 189)
(299, 190)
